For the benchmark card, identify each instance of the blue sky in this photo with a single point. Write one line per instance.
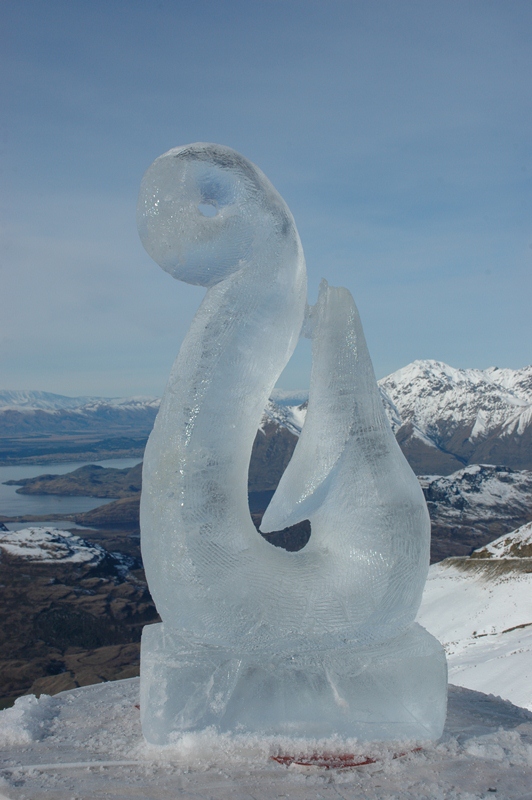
(399, 133)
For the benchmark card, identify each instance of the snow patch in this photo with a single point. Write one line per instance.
(49, 545)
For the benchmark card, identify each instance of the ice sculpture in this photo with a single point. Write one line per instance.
(312, 643)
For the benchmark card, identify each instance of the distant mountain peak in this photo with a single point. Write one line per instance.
(289, 397)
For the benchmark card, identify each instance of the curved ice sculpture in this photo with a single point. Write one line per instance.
(312, 643)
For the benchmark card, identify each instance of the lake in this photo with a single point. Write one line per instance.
(14, 505)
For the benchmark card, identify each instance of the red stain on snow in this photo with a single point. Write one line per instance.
(334, 760)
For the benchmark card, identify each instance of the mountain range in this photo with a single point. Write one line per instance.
(444, 418)
(32, 412)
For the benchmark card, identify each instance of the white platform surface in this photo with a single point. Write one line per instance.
(87, 743)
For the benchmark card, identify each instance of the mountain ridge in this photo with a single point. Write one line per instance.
(444, 418)
(34, 400)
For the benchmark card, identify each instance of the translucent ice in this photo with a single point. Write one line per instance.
(317, 642)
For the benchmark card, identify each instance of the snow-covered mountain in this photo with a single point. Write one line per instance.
(29, 412)
(33, 411)
(480, 608)
(517, 544)
(47, 401)
(474, 505)
(445, 418)
(48, 545)
(285, 415)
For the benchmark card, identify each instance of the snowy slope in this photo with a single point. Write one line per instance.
(285, 415)
(480, 608)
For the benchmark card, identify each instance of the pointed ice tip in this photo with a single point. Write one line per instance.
(271, 522)
(312, 312)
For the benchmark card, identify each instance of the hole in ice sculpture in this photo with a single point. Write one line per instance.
(208, 209)
(272, 450)
(291, 539)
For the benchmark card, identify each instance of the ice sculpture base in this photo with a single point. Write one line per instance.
(393, 691)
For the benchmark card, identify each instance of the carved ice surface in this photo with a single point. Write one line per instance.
(312, 643)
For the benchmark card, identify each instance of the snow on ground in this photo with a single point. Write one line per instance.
(481, 611)
(87, 743)
(48, 545)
